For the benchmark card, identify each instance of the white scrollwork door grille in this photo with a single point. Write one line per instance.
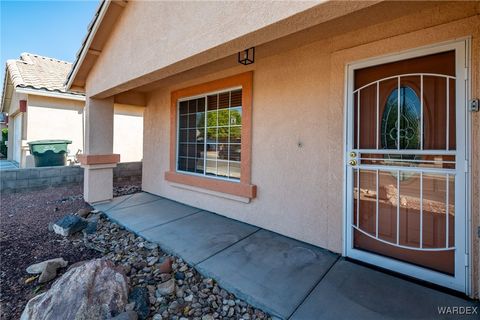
(404, 167)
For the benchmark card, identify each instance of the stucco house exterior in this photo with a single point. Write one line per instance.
(41, 108)
(349, 125)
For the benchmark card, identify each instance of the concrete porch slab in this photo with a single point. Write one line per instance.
(284, 277)
(352, 291)
(127, 201)
(270, 271)
(199, 236)
(138, 199)
(105, 206)
(148, 215)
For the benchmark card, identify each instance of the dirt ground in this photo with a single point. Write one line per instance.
(25, 240)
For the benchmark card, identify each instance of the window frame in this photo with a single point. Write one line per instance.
(242, 188)
(205, 96)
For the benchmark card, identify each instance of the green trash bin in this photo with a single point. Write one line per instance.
(49, 153)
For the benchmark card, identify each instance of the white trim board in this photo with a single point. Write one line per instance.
(51, 94)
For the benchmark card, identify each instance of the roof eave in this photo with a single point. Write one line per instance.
(92, 30)
(4, 89)
(50, 93)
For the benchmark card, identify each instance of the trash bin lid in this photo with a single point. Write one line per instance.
(57, 141)
(42, 146)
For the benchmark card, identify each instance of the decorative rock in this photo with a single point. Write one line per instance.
(139, 295)
(179, 292)
(150, 246)
(189, 298)
(39, 267)
(83, 213)
(69, 225)
(127, 315)
(130, 306)
(49, 273)
(91, 227)
(207, 317)
(165, 266)
(165, 288)
(165, 276)
(95, 288)
(173, 306)
(152, 260)
(179, 276)
(157, 316)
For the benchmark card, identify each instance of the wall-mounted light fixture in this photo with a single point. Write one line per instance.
(247, 56)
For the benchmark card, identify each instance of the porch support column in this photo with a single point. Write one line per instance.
(98, 159)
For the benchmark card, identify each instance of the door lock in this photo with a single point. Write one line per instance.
(353, 154)
(352, 162)
(474, 105)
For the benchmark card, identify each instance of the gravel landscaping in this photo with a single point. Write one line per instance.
(161, 286)
(175, 290)
(25, 239)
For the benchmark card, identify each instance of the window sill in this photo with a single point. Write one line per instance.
(234, 188)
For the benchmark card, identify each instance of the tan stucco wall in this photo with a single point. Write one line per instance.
(299, 97)
(128, 132)
(52, 118)
(146, 27)
(55, 118)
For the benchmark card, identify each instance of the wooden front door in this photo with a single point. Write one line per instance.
(406, 177)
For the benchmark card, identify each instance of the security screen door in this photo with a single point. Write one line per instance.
(406, 167)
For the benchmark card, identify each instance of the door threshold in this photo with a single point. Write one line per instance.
(402, 276)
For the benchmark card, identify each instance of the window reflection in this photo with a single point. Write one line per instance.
(209, 137)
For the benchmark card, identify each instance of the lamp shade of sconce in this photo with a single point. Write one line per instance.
(247, 56)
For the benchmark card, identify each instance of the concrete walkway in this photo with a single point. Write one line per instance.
(286, 278)
(7, 164)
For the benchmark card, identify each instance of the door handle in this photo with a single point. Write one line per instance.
(352, 162)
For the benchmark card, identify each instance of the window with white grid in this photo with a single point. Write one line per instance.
(209, 135)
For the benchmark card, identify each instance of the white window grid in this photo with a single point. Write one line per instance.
(205, 157)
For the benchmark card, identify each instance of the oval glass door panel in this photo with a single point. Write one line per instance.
(401, 132)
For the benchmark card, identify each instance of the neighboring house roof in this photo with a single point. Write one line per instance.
(37, 74)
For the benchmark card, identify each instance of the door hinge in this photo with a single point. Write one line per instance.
(466, 260)
(474, 105)
(466, 73)
(466, 169)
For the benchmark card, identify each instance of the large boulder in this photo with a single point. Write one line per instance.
(93, 290)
